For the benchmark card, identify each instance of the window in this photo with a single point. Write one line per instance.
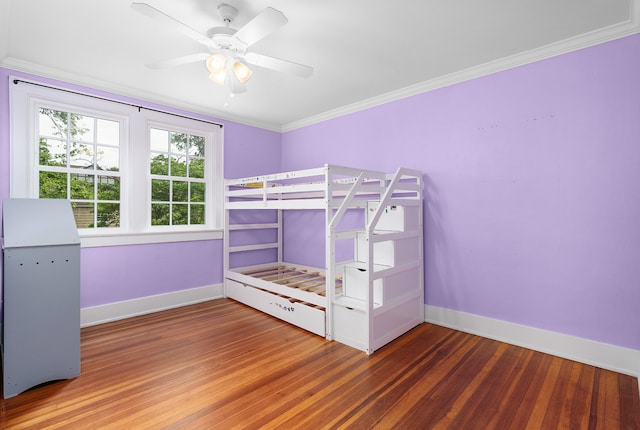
(178, 186)
(132, 175)
(79, 160)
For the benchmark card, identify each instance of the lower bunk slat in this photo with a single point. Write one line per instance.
(264, 271)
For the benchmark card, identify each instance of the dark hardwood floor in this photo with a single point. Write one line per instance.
(221, 365)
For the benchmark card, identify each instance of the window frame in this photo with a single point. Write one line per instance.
(27, 97)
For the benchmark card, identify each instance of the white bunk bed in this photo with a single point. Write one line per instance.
(365, 301)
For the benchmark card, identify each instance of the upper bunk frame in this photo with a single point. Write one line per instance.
(328, 187)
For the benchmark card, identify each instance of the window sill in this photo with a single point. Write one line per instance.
(94, 241)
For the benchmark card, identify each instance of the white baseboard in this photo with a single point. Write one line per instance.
(129, 308)
(603, 355)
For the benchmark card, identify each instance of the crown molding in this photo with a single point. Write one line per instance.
(596, 37)
(18, 65)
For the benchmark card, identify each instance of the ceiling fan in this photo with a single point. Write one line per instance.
(228, 48)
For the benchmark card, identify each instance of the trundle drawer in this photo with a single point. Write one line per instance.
(304, 316)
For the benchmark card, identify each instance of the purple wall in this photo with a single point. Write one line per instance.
(532, 211)
(111, 274)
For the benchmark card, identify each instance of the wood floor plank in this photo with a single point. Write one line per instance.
(221, 364)
(581, 399)
(559, 384)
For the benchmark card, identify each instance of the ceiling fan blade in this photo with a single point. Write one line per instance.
(279, 65)
(163, 64)
(171, 22)
(265, 23)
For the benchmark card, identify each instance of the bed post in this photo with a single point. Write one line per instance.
(225, 241)
(330, 254)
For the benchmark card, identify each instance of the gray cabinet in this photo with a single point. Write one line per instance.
(41, 293)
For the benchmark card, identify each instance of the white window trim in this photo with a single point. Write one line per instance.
(135, 226)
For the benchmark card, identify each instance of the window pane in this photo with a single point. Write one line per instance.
(108, 188)
(179, 215)
(159, 214)
(82, 186)
(83, 213)
(53, 123)
(197, 192)
(159, 164)
(196, 146)
(160, 190)
(52, 185)
(179, 143)
(108, 132)
(196, 167)
(159, 140)
(53, 152)
(81, 155)
(178, 166)
(108, 158)
(108, 215)
(197, 214)
(180, 191)
(82, 127)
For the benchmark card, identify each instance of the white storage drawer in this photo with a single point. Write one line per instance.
(310, 318)
(394, 218)
(355, 284)
(389, 252)
(385, 290)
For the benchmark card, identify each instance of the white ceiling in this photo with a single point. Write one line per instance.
(364, 52)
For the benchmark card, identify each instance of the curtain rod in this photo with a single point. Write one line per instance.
(140, 107)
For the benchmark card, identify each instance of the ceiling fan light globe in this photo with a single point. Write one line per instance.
(216, 63)
(218, 76)
(242, 71)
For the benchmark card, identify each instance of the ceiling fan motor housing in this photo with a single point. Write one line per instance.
(222, 36)
(223, 40)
